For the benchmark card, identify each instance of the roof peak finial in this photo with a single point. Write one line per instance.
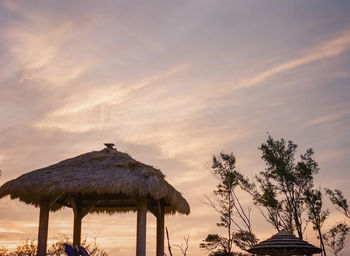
(110, 146)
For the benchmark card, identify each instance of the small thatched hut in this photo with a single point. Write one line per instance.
(106, 181)
(285, 244)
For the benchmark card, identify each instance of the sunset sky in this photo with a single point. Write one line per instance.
(171, 83)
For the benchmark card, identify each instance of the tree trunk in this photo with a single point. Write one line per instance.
(229, 224)
(322, 244)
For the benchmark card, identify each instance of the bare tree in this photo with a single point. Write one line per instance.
(168, 239)
(183, 247)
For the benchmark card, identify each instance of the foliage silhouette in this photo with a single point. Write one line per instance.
(29, 247)
(338, 200)
(284, 183)
(335, 237)
(225, 201)
(316, 214)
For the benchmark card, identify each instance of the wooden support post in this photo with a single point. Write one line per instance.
(88, 207)
(285, 252)
(77, 209)
(160, 229)
(141, 227)
(77, 229)
(43, 226)
(79, 214)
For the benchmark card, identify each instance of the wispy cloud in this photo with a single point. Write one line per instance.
(150, 79)
(6, 230)
(1, 159)
(87, 105)
(112, 95)
(328, 49)
(329, 118)
(41, 52)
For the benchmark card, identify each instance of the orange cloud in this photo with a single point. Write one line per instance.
(329, 118)
(328, 49)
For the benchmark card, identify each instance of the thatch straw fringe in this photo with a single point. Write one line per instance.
(284, 243)
(98, 173)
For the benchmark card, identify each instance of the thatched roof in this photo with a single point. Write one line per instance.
(112, 178)
(284, 243)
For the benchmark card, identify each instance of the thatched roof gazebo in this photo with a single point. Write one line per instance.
(106, 181)
(284, 243)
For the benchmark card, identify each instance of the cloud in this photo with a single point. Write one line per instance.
(5, 230)
(2, 157)
(103, 102)
(152, 80)
(114, 94)
(43, 55)
(329, 49)
(329, 118)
